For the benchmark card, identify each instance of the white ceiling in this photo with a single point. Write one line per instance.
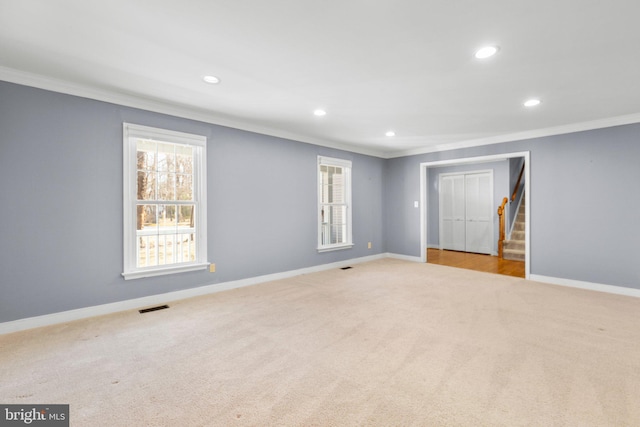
(373, 65)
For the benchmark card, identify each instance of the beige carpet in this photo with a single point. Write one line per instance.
(387, 343)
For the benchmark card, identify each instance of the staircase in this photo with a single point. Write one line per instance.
(514, 249)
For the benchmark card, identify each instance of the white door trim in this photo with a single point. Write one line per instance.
(424, 188)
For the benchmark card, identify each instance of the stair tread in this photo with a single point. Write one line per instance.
(514, 251)
(515, 248)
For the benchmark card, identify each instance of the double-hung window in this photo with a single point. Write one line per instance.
(334, 204)
(164, 201)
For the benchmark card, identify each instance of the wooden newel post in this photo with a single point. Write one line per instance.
(501, 216)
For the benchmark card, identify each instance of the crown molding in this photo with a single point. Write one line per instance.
(84, 91)
(56, 85)
(519, 136)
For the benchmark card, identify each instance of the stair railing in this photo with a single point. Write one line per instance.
(515, 190)
(502, 226)
(501, 213)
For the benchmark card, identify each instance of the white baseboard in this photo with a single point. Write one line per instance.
(137, 303)
(610, 289)
(404, 257)
(438, 247)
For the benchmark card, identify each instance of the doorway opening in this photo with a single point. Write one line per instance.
(429, 191)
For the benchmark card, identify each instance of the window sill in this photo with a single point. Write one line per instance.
(139, 274)
(335, 247)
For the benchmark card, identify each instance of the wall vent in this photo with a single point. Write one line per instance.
(147, 310)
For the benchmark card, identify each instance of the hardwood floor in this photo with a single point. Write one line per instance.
(478, 262)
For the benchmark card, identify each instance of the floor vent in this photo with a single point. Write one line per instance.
(345, 268)
(160, 307)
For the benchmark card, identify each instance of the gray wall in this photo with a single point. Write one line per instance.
(61, 201)
(500, 189)
(584, 203)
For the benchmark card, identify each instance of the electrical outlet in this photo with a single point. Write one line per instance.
(212, 268)
(369, 245)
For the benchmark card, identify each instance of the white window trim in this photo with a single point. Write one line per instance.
(130, 133)
(346, 164)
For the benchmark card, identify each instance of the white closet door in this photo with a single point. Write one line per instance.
(478, 212)
(452, 213)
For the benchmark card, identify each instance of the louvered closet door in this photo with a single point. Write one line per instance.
(452, 207)
(478, 212)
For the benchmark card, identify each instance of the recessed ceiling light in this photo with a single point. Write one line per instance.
(390, 133)
(211, 80)
(531, 102)
(486, 52)
(320, 113)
